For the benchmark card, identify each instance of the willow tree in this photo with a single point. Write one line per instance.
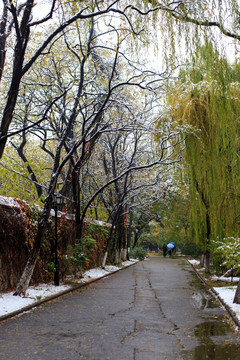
(206, 99)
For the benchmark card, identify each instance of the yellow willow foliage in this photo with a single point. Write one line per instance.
(212, 108)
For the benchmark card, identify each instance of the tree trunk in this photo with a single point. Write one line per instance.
(135, 238)
(129, 233)
(107, 246)
(123, 241)
(3, 36)
(236, 299)
(206, 258)
(202, 261)
(104, 260)
(29, 268)
(17, 73)
(25, 279)
(124, 254)
(207, 262)
(67, 190)
(76, 202)
(121, 236)
(117, 256)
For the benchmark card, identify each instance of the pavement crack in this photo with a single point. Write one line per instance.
(131, 304)
(130, 333)
(175, 327)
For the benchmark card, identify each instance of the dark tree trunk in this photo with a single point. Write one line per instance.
(29, 268)
(129, 232)
(22, 35)
(208, 227)
(207, 262)
(236, 299)
(3, 36)
(76, 204)
(135, 238)
(207, 253)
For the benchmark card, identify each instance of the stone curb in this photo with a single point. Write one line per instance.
(61, 293)
(216, 295)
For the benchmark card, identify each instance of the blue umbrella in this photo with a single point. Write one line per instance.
(170, 246)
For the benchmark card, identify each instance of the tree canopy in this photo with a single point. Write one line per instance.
(79, 91)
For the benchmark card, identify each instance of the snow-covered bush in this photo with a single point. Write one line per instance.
(226, 253)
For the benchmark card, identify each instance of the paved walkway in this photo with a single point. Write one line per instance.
(154, 310)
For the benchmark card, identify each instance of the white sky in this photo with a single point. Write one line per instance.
(227, 45)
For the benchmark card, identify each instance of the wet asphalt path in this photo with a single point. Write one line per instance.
(154, 310)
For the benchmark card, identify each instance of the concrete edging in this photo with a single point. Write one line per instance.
(216, 295)
(61, 293)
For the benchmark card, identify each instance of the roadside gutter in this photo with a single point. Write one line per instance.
(216, 295)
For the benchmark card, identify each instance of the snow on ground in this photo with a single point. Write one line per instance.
(224, 278)
(227, 294)
(194, 262)
(10, 303)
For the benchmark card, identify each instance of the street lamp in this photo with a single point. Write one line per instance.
(57, 202)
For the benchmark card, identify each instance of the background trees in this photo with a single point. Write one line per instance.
(20, 23)
(79, 96)
(64, 104)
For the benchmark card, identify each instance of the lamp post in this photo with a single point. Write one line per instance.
(58, 200)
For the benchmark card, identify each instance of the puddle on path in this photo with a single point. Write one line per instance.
(201, 298)
(218, 341)
(216, 334)
(215, 352)
(218, 326)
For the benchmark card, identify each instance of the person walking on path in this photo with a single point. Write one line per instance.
(170, 248)
(164, 249)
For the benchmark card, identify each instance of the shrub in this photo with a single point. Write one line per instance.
(138, 253)
(225, 254)
(96, 254)
(79, 253)
(191, 249)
